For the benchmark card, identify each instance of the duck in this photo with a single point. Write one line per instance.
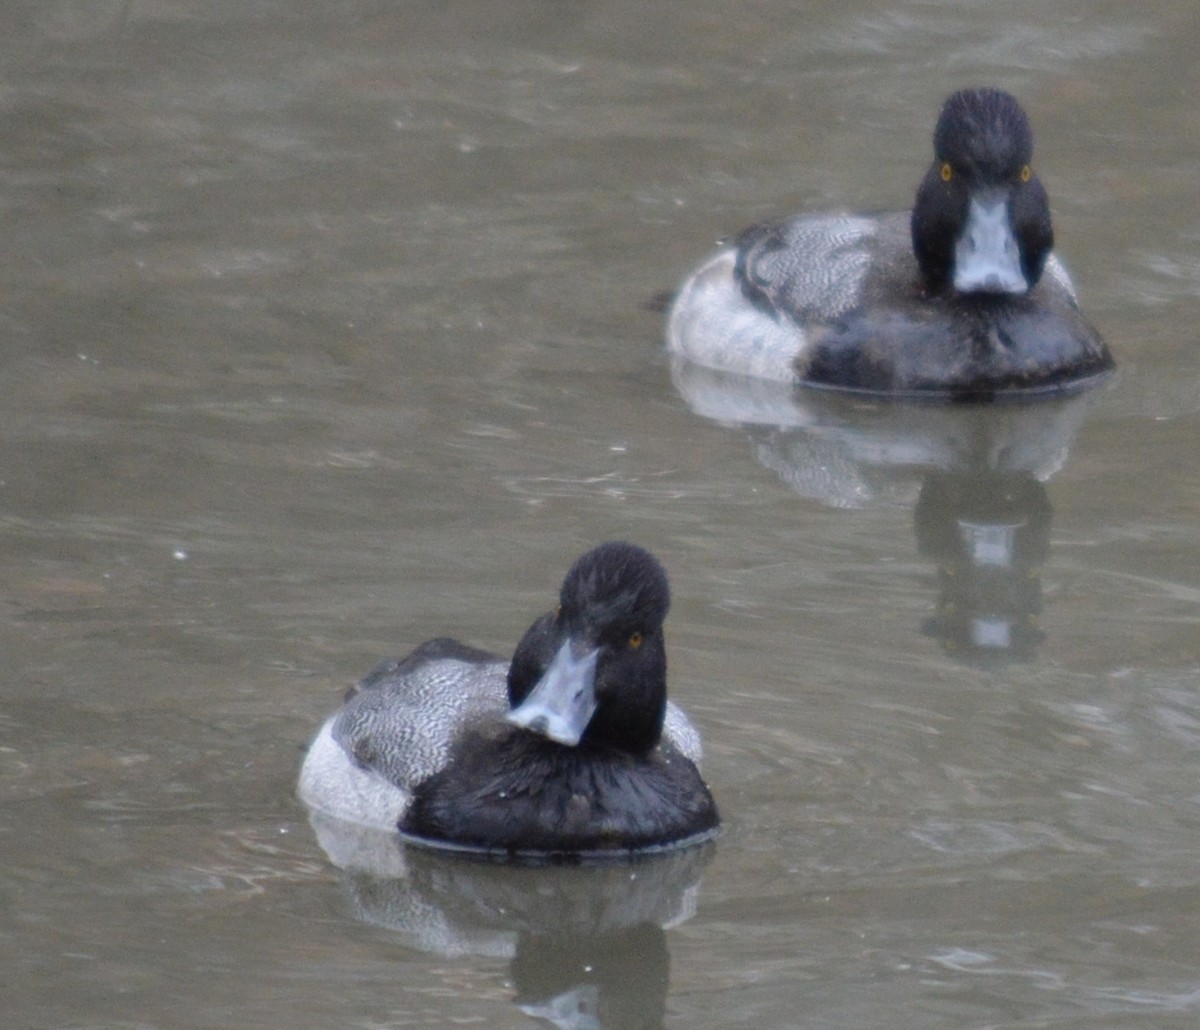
(960, 298)
(571, 749)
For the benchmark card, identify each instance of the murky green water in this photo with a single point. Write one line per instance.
(326, 328)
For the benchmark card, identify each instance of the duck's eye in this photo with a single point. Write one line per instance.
(635, 641)
(1026, 173)
(947, 171)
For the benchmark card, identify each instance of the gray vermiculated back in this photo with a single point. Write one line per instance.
(401, 725)
(813, 266)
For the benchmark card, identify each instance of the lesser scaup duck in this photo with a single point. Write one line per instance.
(570, 749)
(960, 298)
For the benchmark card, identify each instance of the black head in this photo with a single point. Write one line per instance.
(612, 605)
(983, 149)
(984, 135)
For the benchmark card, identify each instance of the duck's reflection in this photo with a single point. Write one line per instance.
(974, 474)
(587, 944)
(617, 979)
(990, 536)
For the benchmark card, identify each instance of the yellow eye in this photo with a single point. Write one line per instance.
(1026, 173)
(635, 641)
(947, 171)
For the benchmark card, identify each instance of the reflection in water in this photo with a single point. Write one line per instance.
(989, 533)
(586, 944)
(582, 982)
(981, 512)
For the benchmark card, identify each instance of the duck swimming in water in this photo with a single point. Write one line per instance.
(961, 298)
(572, 748)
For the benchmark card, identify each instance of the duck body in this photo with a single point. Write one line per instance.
(523, 794)
(960, 298)
(569, 749)
(396, 728)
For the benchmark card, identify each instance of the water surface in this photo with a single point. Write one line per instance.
(328, 327)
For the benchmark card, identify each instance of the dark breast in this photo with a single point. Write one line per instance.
(506, 789)
(968, 348)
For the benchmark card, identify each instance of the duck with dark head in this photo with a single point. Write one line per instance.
(570, 750)
(961, 298)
